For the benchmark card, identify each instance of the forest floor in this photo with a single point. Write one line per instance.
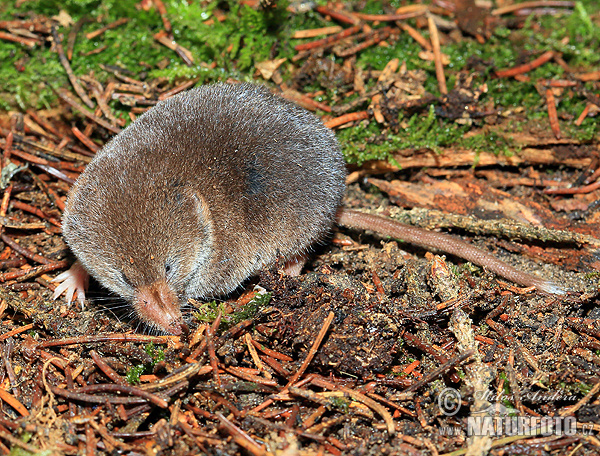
(476, 119)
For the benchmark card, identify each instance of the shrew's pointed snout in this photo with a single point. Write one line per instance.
(158, 306)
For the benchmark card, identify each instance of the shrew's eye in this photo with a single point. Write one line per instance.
(168, 268)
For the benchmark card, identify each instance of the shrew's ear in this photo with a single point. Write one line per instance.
(200, 206)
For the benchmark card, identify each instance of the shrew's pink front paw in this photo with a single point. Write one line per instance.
(74, 280)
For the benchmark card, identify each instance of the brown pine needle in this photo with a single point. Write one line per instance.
(342, 120)
(313, 350)
(437, 54)
(552, 114)
(545, 57)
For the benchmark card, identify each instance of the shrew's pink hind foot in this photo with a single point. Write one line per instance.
(75, 280)
(293, 266)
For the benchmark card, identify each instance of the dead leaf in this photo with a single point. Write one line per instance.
(268, 67)
(64, 19)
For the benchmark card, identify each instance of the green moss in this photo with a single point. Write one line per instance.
(404, 48)
(340, 403)
(488, 142)
(133, 374)
(156, 353)
(583, 388)
(249, 310)
(132, 46)
(245, 37)
(420, 132)
(208, 311)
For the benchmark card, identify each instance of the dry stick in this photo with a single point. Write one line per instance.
(351, 117)
(545, 57)
(532, 4)
(16, 331)
(374, 38)
(586, 77)
(38, 26)
(23, 251)
(275, 365)
(241, 438)
(304, 100)
(35, 211)
(319, 428)
(55, 150)
(5, 200)
(220, 400)
(360, 397)
(440, 370)
(98, 50)
(313, 350)
(290, 428)
(271, 353)
(305, 363)
(312, 33)
(552, 114)
(338, 15)
(160, 6)
(237, 372)
(85, 140)
(67, 66)
(31, 158)
(558, 83)
(166, 40)
(584, 400)
(98, 93)
(56, 173)
(585, 325)
(414, 33)
(212, 356)
(64, 95)
(29, 42)
(13, 402)
(178, 379)
(108, 371)
(417, 10)
(583, 115)
(45, 124)
(7, 222)
(26, 274)
(100, 31)
(125, 389)
(73, 35)
(255, 358)
(329, 40)
(14, 263)
(104, 338)
(390, 68)
(391, 404)
(7, 150)
(135, 88)
(52, 195)
(41, 161)
(437, 55)
(109, 440)
(83, 397)
(90, 439)
(186, 85)
(23, 286)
